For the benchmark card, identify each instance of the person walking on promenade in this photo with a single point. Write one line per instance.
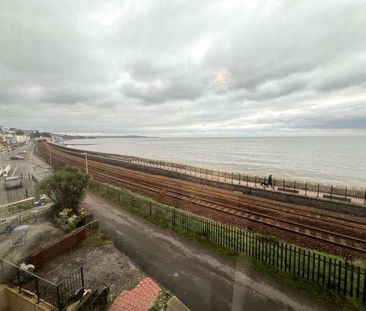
(269, 182)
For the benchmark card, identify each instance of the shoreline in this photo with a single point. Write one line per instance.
(227, 166)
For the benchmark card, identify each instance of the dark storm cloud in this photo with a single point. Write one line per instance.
(183, 68)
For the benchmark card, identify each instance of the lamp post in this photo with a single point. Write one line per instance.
(50, 156)
(86, 164)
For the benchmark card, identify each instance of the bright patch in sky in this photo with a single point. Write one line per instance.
(184, 68)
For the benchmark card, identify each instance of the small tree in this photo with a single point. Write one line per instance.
(65, 187)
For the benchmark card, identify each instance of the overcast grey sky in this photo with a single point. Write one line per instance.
(187, 68)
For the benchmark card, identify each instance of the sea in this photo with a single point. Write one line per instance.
(331, 160)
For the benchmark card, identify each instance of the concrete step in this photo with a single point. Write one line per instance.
(174, 304)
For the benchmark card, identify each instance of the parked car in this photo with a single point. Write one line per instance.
(42, 200)
(17, 157)
(13, 182)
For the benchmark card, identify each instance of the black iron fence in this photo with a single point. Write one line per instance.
(56, 295)
(331, 272)
(311, 189)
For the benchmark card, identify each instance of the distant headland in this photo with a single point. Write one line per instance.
(70, 137)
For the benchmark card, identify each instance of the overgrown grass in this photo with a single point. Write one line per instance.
(161, 215)
(161, 303)
(20, 207)
(95, 240)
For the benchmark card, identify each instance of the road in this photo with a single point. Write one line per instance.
(30, 165)
(201, 278)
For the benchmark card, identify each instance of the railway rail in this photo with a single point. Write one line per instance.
(248, 209)
(302, 213)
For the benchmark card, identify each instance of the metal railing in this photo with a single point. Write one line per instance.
(333, 273)
(57, 296)
(309, 189)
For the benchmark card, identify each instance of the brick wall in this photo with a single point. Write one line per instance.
(62, 245)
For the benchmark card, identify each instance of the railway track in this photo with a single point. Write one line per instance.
(358, 227)
(298, 211)
(294, 227)
(110, 173)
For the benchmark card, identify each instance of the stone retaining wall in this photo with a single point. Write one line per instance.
(321, 203)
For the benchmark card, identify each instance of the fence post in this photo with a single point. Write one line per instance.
(306, 188)
(2, 272)
(339, 275)
(18, 275)
(364, 287)
(324, 264)
(285, 257)
(290, 268)
(248, 184)
(58, 298)
(255, 181)
(317, 194)
(239, 178)
(318, 269)
(82, 276)
(345, 193)
(308, 274)
(37, 289)
(345, 278)
(284, 184)
(173, 218)
(329, 271)
(303, 263)
(294, 185)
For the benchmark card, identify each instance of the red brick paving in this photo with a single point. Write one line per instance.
(140, 298)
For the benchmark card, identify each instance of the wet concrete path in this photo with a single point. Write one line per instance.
(201, 278)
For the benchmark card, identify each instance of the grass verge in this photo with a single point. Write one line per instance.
(161, 303)
(141, 206)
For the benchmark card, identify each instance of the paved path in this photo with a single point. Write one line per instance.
(201, 278)
(140, 298)
(226, 177)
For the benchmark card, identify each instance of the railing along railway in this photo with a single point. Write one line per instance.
(347, 242)
(332, 273)
(350, 243)
(309, 189)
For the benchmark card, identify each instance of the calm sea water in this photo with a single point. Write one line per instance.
(337, 160)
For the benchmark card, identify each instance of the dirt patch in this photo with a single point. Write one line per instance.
(38, 235)
(103, 264)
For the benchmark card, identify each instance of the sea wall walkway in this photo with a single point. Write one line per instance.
(353, 200)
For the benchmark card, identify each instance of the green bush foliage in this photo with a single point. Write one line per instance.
(66, 188)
